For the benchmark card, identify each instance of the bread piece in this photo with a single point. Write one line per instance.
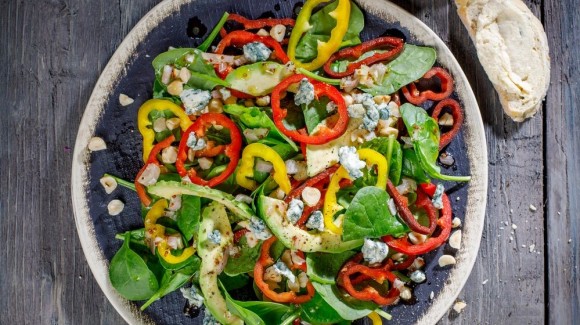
(513, 49)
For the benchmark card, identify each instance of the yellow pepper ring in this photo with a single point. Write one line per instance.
(375, 318)
(144, 124)
(246, 169)
(371, 157)
(325, 49)
(155, 230)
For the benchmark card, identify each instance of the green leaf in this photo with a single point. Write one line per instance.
(253, 118)
(171, 281)
(368, 216)
(412, 167)
(234, 282)
(346, 306)
(315, 113)
(317, 311)
(270, 312)
(391, 149)
(409, 66)
(324, 267)
(424, 133)
(188, 215)
(245, 261)
(322, 25)
(130, 276)
(137, 238)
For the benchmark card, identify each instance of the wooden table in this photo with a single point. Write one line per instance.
(51, 54)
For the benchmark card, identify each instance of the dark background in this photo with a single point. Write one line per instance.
(51, 54)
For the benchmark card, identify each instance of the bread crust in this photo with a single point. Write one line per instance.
(513, 49)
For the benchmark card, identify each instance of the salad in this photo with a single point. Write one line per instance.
(294, 162)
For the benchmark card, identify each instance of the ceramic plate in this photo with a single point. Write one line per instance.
(181, 23)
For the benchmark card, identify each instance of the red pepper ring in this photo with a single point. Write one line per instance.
(321, 89)
(232, 150)
(265, 261)
(240, 38)
(402, 245)
(416, 97)
(457, 114)
(405, 264)
(368, 293)
(394, 44)
(407, 215)
(258, 23)
(139, 188)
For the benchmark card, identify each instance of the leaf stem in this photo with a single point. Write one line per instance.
(383, 314)
(310, 74)
(207, 43)
(122, 182)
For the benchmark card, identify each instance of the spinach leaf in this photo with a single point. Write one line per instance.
(411, 65)
(347, 307)
(203, 75)
(188, 215)
(368, 216)
(254, 117)
(318, 312)
(234, 282)
(322, 24)
(246, 260)
(315, 113)
(323, 267)
(172, 280)
(137, 237)
(412, 167)
(391, 149)
(424, 133)
(270, 312)
(191, 261)
(130, 275)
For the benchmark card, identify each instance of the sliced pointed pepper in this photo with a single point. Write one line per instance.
(325, 134)
(393, 44)
(246, 170)
(325, 49)
(406, 214)
(371, 157)
(146, 126)
(416, 97)
(231, 150)
(457, 114)
(402, 245)
(240, 38)
(257, 23)
(266, 261)
(139, 188)
(155, 230)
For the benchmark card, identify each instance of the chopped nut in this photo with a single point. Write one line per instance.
(405, 293)
(514, 226)
(115, 207)
(262, 32)
(175, 87)
(455, 239)
(184, 74)
(303, 280)
(169, 155)
(174, 203)
(160, 125)
(384, 129)
(446, 120)
(311, 196)
(96, 144)
(166, 75)
(382, 99)
(432, 295)
(215, 106)
(263, 101)
(278, 32)
(459, 306)
(248, 103)
(172, 123)
(446, 260)
(301, 174)
(205, 163)
(150, 175)
(533, 208)
(109, 184)
(417, 238)
(456, 222)
(125, 100)
(348, 100)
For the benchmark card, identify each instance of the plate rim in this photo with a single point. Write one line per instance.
(473, 130)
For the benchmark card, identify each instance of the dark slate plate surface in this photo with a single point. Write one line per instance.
(117, 126)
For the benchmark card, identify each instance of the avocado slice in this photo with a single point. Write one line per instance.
(273, 212)
(213, 260)
(257, 79)
(167, 189)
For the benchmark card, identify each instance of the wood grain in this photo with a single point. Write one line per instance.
(52, 54)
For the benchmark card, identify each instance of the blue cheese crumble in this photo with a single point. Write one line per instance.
(192, 295)
(315, 221)
(355, 111)
(282, 269)
(417, 276)
(256, 51)
(215, 237)
(349, 159)
(384, 112)
(225, 93)
(438, 196)
(374, 252)
(294, 211)
(258, 227)
(194, 143)
(208, 319)
(305, 93)
(195, 100)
